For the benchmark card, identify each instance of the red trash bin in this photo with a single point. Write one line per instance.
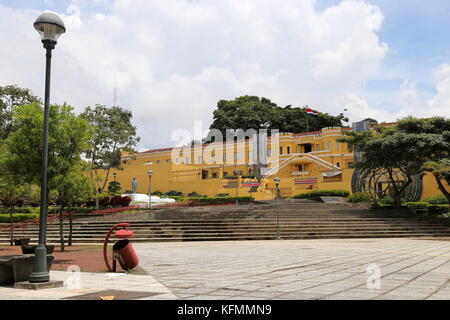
(125, 254)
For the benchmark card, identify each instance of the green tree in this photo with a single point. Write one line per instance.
(113, 134)
(251, 112)
(68, 138)
(409, 146)
(114, 187)
(10, 97)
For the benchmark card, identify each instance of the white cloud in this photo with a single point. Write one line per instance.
(440, 103)
(173, 60)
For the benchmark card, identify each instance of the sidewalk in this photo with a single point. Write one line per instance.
(136, 287)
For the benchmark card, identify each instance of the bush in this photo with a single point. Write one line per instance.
(157, 193)
(438, 199)
(248, 176)
(17, 217)
(104, 201)
(416, 205)
(387, 200)
(437, 209)
(120, 201)
(15, 210)
(221, 195)
(359, 197)
(219, 200)
(322, 193)
(193, 194)
(175, 193)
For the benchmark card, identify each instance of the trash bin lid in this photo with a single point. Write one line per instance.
(124, 233)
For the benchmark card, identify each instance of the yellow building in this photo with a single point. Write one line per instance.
(304, 162)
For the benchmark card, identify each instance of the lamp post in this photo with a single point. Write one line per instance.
(114, 176)
(277, 183)
(50, 27)
(149, 173)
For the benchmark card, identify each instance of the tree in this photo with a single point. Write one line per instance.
(68, 138)
(409, 146)
(251, 112)
(113, 134)
(72, 187)
(10, 97)
(114, 187)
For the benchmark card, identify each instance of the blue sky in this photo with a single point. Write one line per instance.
(179, 57)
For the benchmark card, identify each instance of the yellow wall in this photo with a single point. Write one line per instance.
(186, 175)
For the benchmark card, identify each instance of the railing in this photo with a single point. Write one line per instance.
(300, 173)
(51, 218)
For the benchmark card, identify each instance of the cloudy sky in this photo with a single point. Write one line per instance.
(171, 61)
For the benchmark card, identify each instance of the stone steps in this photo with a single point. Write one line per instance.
(298, 220)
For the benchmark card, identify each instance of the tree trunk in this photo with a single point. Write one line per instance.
(442, 188)
(61, 231)
(12, 224)
(70, 231)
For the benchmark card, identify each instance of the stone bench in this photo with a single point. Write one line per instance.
(18, 268)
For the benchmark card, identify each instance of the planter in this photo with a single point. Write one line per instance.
(21, 241)
(18, 268)
(27, 249)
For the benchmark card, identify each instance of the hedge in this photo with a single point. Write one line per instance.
(219, 200)
(438, 199)
(437, 209)
(417, 205)
(15, 210)
(359, 197)
(17, 217)
(322, 193)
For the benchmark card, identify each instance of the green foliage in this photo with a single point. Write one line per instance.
(219, 200)
(417, 205)
(114, 187)
(11, 97)
(437, 209)
(387, 200)
(359, 197)
(251, 112)
(17, 217)
(113, 133)
(221, 195)
(322, 193)
(68, 137)
(438, 199)
(248, 176)
(17, 210)
(174, 193)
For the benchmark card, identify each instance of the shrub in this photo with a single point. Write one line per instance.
(437, 209)
(438, 199)
(17, 217)
(219, 200)
(15, 210)
(221, 195)
(359, 197)
(416, 205)
(387, 200)
(157, 193)
(193, 194)
(175, 193)
(230, 177)
(104, 201)
(322, 193)
(248, 176)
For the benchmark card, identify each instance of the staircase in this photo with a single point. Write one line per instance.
(300, 219)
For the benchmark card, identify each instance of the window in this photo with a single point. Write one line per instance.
(237, 156)
(177, 160)
(289, 150)
(338, 165)
(317, 147)
(281, 150)
(224, 158)
(337, 145)
(225, 174)
(214, 175)
(329, 145)
(188, 160)
(158, 161)
(213, 159)
(269, 153)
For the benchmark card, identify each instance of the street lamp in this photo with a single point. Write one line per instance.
(149, 173)
(277, 183)
(50, 27)
(114, 176)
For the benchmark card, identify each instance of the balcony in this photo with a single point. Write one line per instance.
(300, 173)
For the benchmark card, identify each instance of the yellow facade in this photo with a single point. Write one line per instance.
(304, 162)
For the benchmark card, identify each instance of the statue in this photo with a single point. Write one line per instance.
(134, 185)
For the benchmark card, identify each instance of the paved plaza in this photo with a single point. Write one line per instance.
(296, 269)
(284, 269)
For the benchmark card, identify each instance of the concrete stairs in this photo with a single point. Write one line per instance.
(298, 220)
